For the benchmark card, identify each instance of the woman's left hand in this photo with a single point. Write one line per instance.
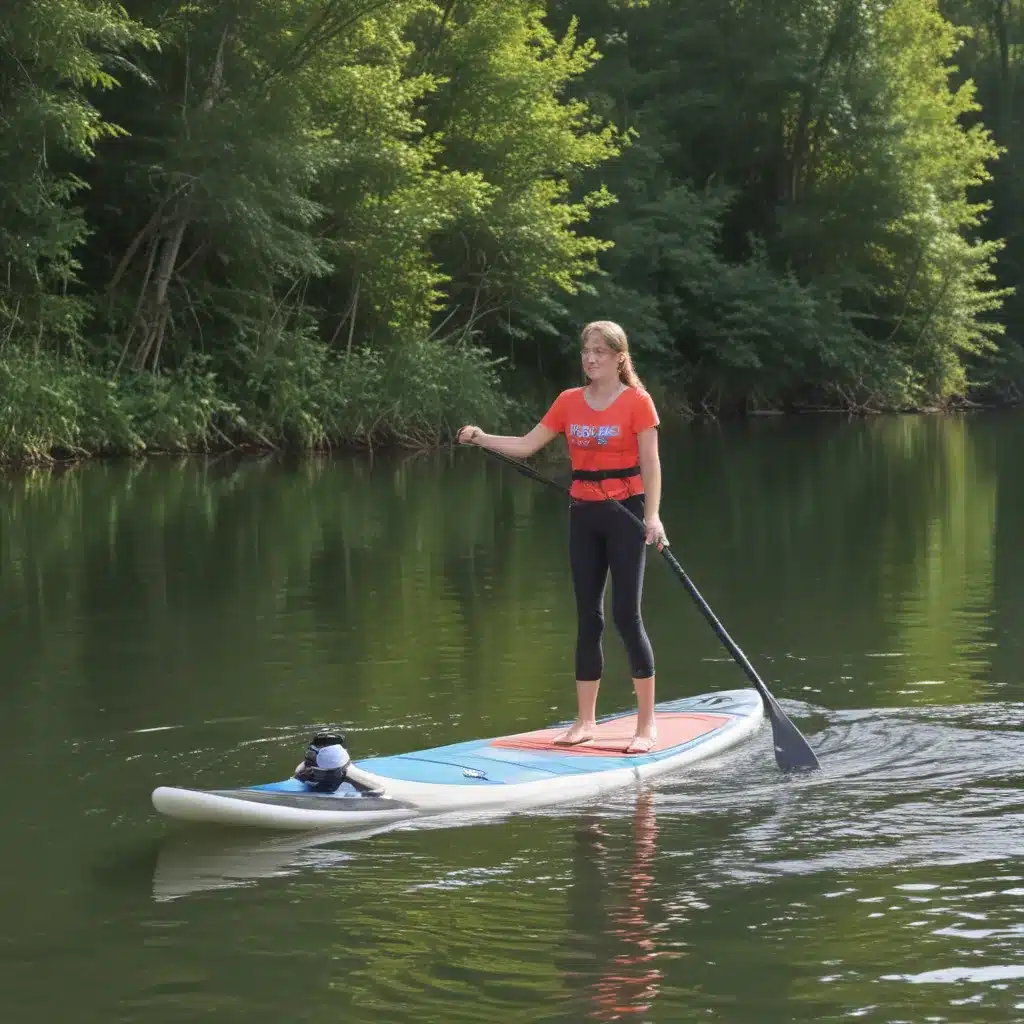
(654, 532)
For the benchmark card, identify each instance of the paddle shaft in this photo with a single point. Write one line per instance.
(791, 749)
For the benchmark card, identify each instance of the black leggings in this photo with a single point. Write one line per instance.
(603, 538)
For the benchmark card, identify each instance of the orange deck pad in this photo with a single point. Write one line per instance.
(610, 739)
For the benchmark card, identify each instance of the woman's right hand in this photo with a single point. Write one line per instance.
(468, 434)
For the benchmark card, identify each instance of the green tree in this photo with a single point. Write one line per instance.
(53, 55)
(310, 221)
(796, 219)
(990, 57)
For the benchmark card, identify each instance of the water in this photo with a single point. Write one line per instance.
(191, 621)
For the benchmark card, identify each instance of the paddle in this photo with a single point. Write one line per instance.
(792, 751)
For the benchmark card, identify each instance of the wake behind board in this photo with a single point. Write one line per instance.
(517, 771)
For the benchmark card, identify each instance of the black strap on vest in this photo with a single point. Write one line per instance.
(606, 474)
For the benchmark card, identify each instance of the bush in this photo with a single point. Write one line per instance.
(301, 393)
(53, 408)
(297, 394)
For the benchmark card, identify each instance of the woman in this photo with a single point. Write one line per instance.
(611, 428)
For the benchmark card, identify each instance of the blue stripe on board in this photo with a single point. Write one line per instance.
(459, 763)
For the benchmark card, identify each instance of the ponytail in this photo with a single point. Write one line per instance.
(627, 374)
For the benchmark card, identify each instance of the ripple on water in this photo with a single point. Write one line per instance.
(916, 786)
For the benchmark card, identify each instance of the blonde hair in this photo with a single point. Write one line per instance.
(615, 336)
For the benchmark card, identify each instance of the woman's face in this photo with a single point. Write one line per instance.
(600, 360)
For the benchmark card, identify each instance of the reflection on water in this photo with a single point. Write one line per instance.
(943, 609)
(887, 868)
(191, 621)
(610, 966)
(874, 549)
(612, 956)
(192, 861)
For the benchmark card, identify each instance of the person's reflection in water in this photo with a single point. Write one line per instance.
(614, 974)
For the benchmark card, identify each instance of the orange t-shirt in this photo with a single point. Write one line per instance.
(603, 440)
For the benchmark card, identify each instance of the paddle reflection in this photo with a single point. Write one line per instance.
(612, 965)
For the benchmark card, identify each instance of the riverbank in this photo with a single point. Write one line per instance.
(64, 411)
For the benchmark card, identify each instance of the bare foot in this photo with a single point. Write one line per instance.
(643, 743)
(578, 732)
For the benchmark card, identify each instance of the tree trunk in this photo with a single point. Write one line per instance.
(1000, 10)
(841, 33)
(160, 308)
(168, 242)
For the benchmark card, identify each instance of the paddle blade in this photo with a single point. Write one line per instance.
(792, 751)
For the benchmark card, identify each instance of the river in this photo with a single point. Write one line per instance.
(191, 621)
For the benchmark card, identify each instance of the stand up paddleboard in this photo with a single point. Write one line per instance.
(506, 772)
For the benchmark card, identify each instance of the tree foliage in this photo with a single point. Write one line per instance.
(336, 219)
(798, 217)
(54, 57)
